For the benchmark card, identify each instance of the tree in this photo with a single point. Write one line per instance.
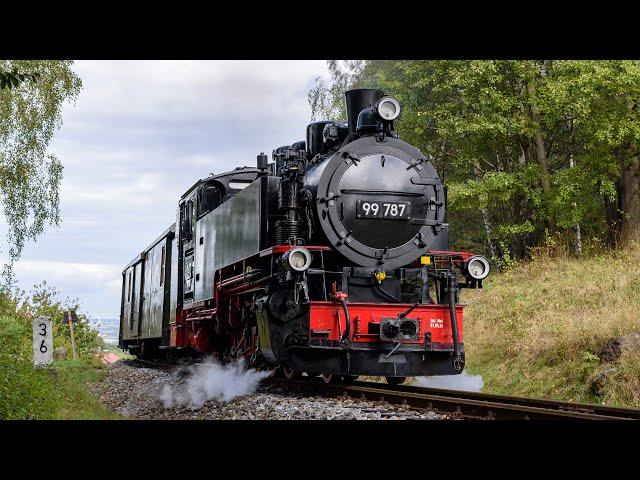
(611, 131)
(533, 151)
(30, 113)
(326, 99)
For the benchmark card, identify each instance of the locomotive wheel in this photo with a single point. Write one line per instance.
(290, 374)
(326, 377)
(395, 380)
(349, 378)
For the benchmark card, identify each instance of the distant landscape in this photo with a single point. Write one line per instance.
(107, 328)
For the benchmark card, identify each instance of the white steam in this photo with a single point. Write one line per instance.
(211, 381)
(463, 381)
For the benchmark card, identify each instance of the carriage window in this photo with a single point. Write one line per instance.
(239, 184)
(162, 262)
(129, 288)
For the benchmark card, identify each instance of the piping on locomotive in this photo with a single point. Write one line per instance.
(330, 260)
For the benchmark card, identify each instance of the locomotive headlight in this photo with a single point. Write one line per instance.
(390, 329)
(388, 108)
(298, 259)
(477, 267)
(399, 329)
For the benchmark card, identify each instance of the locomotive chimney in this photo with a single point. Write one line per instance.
(357, 100)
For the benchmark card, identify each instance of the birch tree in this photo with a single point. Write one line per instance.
(32, 95)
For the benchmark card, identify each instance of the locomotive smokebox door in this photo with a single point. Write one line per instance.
(380, 203)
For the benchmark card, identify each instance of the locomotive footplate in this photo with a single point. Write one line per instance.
(374, 361)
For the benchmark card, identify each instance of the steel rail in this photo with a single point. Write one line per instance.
(589, 408)
(461, 404)
(162, 365)
(469, 405)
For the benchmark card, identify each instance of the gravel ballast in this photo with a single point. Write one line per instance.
(137, 392)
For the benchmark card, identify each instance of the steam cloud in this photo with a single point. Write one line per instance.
(211, 381)
(464, 381)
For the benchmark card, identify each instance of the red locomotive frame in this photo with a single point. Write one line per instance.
(325, 316)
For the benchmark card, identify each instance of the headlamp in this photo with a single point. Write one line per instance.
(399, 329)
(477, 267)
(388, 108)
(297, 259)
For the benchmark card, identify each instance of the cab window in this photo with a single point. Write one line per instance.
(209, 198)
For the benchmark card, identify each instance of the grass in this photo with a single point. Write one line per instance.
(60, 391)
(75, 401)
(536, 330)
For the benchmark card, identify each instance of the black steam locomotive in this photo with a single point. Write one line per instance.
(330, 260)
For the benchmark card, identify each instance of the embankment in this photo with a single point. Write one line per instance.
(546, 329)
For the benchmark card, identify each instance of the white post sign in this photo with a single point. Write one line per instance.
(42, 341)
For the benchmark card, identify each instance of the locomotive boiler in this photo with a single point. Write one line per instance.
(332, 260)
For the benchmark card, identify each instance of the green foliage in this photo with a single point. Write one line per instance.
(25, 392)
(56, 392)
(327, 99)
(14, 78)
(44, 301)
(540, 146)
(30, 113)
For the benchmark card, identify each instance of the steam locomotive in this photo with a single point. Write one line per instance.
(331, 260)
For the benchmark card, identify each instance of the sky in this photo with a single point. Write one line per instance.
(139, 135)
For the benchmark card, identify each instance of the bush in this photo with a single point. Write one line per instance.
(45, 393)
(25, 392)
(44, 301)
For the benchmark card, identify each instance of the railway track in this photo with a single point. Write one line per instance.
(461, 404)
(163, 365)
(468, 405)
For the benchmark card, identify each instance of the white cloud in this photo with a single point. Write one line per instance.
(96, 285)
(77, 272)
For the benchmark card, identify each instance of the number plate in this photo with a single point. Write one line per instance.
(384, 210)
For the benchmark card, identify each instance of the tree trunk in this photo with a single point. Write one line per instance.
(541, 151)
(577, 234)
(612, 216)
(629, 193)
(486, 218)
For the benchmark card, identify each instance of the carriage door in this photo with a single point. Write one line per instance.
(135, 299)
(127, 315)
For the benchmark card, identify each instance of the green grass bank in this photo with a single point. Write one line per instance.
(60, 391)
(538, 329)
